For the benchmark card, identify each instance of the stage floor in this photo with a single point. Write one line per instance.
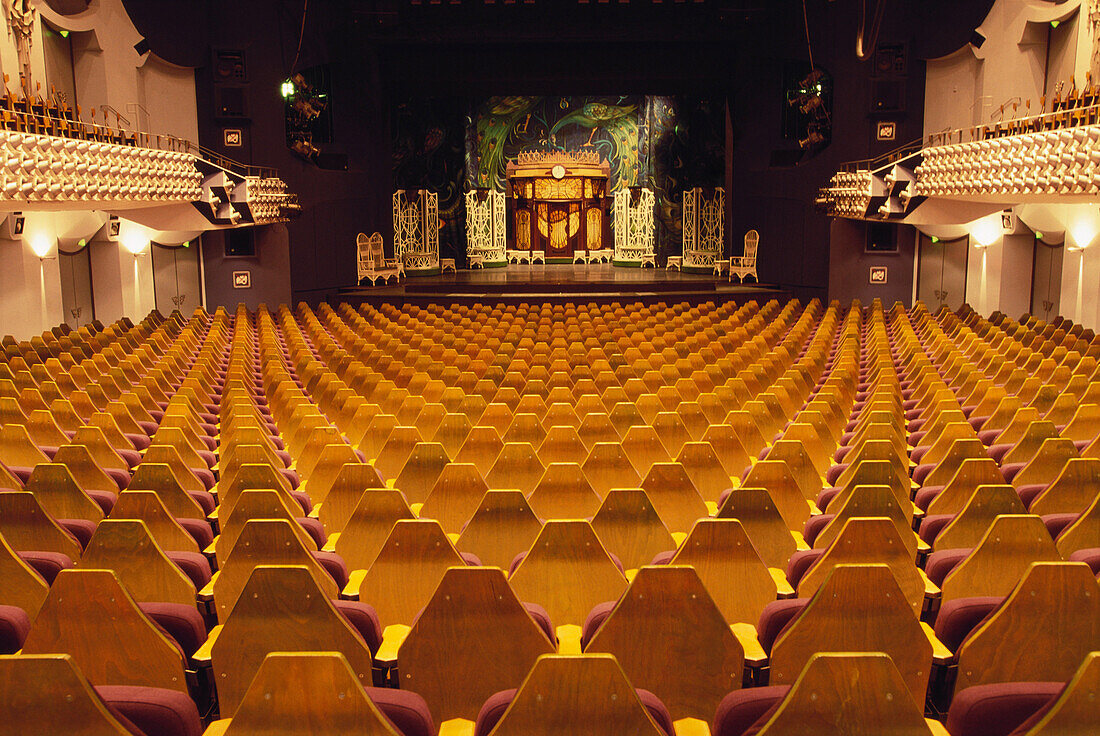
(562, 282)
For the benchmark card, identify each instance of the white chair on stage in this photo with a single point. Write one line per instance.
(745, 265)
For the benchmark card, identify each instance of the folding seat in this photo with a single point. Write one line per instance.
(265, 504)
(630, 528)
(376, 434)
(264, 542)
(607, 467)
(992, 568)
(859, 608)
(497, 415)
(183, 493)
(503, 526)
(730, 568)
(1085, 424)
(862, 540)
(1051, 620)
(472, 617)
(728, 448)
(567, 694)
(22, 588)
(150, 575)
(643, 448)
(255, 476)
(747, 431)
(368, 526)
(91, 616)
(18, 451)
(776, 478)
(58, 492)
(455, 496)
(597, 427)
(951, 497)
(855, 694)
(674, 496)
(565, 553)
(281, 608)
(517, 466)
(405, 572)
(28, 527)
(562, 444)
(864, 501)
(671, 639)
(420, 470)
(63, 701)
(965, 529)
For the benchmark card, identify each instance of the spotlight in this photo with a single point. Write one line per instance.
(287, 89)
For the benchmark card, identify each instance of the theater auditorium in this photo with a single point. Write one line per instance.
(550, 367)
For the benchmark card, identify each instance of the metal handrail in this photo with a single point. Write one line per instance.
(870, 164)
(1070, 117)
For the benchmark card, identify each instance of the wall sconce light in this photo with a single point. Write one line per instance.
(1074, 248)
(41, 245)
(135, 243)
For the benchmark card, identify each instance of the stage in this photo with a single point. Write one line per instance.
(600, 282)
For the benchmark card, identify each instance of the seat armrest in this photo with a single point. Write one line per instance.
(201, 658)
(393, 636)
(755, 656)
(940, 653)
(355, 582)
(783, 588)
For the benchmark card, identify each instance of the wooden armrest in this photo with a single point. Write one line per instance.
(210, 550)
(330, 543)
(678, 537)
(415, 508)
(569, 639)
(453, 536)
(814, 510)
(454, 727)
(735, 482)
(940, 653)
(922, 546)
(937, 728)
(206, 595)
(755, 656)
(712, 507)
(783, 588)
(355, 582)
(202, 656)
(391, 482)
(629, 574)
(691, 727)
(316, 512)
(392, 638)
(931, 590)
(217, 728)
(799, 540)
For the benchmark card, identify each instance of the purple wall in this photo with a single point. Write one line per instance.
(270, 270)
(850, 266)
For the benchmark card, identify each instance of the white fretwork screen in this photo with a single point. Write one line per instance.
(485, 218)
(704, 226)
(416, 229)
(633, 224)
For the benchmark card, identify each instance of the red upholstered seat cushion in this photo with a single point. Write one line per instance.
(81, 529)
(997, 710)
(193, 564)
(775, 618)
(407, 711)
(594, 620)
(498, 703)
(334, 565)
(542, 618)
(155, 711)
(183, 623)
(15, 624)
(200, 531)
(958, 617)
(363, 619)
(46, 564)
(1090, 556)
(800, 562)
(942, 562)
(739, 712)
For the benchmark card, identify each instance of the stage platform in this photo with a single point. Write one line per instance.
(599, 282)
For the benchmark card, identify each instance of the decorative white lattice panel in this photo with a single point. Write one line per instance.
(416, 230)
(634, 226)
(704, 227)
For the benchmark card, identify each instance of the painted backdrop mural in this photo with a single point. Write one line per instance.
(666, 143)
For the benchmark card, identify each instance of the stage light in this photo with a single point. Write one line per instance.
(287, 89)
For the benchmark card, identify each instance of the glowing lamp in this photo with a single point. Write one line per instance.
(41, 245)
(134, 242)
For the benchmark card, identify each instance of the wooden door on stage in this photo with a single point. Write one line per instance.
(559, 228)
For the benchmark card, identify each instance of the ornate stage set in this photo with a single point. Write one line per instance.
(599, 184)
(557, 209)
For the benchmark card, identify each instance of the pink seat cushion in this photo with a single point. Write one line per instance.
(942, 562)
(81, 529)
(775, 618)
(363, 619)
(594, 621)
(15, 624)
(958, 617)
(46, 564)
(183, 623)
(1090, 556)
(199, 530)
(407, 711)
(193, 564)
(997, 710)
(498, 703)
(105, 499)
(154, 710)
(739, 712)
(334, 565)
